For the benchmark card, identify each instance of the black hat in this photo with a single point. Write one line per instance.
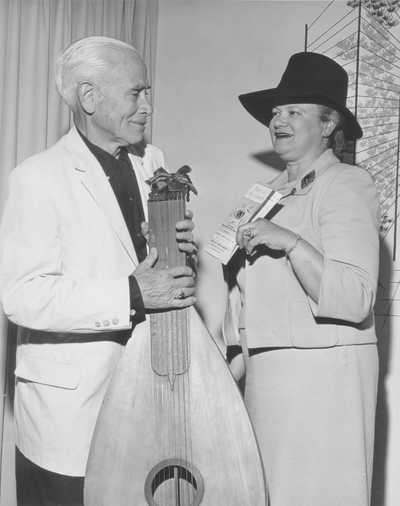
(309, 78)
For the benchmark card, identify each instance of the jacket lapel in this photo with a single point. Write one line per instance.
(305, 184)
(95, 181)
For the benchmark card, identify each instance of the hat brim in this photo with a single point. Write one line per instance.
(260, 104)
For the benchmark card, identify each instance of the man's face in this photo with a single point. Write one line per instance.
(122, 107)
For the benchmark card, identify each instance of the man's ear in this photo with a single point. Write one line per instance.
(86, 96)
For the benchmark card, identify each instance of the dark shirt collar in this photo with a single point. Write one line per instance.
(108, 162)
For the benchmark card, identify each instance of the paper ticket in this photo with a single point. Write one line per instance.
(257, 202)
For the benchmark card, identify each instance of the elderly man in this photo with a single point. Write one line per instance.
(75, 274)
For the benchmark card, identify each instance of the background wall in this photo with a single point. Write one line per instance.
(208, 52)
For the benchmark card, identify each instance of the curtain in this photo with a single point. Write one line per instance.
(33, 117)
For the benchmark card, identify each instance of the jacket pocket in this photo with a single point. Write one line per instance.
(48, 373)
(307, 331)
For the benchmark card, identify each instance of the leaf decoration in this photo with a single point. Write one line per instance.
(163, 179)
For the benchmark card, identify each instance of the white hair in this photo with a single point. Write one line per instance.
(89, 59)
(337, 140)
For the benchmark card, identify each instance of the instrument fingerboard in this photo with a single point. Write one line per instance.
(170, 355)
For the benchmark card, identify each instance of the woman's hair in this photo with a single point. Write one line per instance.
(336, 139)
(87, 58)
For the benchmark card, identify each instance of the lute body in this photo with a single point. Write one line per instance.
(173, 429)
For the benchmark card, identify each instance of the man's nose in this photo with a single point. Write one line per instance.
(146, 106)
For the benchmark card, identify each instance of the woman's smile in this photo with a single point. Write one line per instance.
(297, 133)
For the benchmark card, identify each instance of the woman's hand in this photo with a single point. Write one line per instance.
(262, 231)
(305, 260)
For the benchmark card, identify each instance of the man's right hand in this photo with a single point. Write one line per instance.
(164, 288)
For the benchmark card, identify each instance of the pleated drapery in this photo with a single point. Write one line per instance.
(33, 117)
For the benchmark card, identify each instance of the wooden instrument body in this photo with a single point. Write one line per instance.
(132, 437)
(173, 429)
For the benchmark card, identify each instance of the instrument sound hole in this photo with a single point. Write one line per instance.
(174, 482)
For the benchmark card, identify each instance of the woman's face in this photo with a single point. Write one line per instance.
(297, 133)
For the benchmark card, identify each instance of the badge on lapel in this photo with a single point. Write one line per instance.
(308, 179)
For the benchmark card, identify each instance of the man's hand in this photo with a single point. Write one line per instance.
(184, 235)
(164, 288)
(184, 238)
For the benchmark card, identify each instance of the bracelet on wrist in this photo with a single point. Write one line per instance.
(290, 250)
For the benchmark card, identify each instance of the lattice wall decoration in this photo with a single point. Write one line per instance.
(369, 52)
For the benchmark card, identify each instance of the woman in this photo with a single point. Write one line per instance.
(301, 303)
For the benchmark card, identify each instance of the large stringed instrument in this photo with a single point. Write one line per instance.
(173, 429)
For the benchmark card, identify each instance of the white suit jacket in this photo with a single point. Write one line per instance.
(66, 255)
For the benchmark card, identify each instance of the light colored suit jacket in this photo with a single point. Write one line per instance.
(337, 211)
(66, 255)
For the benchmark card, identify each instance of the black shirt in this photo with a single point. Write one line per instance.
(122, 179)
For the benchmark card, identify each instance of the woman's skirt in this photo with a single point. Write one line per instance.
(313, 412)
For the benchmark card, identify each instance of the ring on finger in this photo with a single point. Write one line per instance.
(181, 295)
(249, 233)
